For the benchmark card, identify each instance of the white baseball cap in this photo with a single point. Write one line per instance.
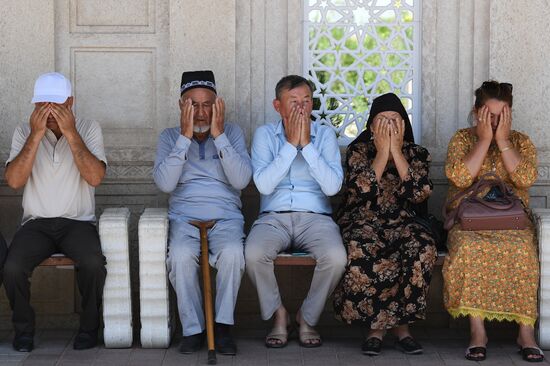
(51, 87)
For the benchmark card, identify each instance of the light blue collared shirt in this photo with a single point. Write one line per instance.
(204, 179)
(291, 179)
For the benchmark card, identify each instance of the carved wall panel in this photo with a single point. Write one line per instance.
(112, 16)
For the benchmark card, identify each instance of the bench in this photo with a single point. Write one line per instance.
(157, 324)
(156, 321)
(57, 260)
(542, 224)
(155, 315)
(290, 259)
(293, 259)
(154, 300)
(117, 305)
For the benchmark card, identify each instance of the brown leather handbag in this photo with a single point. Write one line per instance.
(504, 212)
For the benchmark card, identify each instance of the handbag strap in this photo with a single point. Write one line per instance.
(474, 190)
(497, 205)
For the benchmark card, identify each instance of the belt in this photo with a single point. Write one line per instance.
(285, 212)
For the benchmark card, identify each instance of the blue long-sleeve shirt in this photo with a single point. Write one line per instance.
(204, 179)
(291, 179)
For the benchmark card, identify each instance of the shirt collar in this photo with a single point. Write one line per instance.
(51, 138)
(279, 129)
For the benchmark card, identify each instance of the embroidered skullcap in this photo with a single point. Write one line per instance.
(197, 79)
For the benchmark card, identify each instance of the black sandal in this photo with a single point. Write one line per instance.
(409, 346)
(476, 350)
(371, 346)
(531, 351)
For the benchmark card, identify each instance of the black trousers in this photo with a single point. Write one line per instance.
(3, 254)
(37, 240)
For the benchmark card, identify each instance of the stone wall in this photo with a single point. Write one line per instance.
(125, 60)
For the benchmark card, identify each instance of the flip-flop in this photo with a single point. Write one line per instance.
(531, 351)
(471, 351)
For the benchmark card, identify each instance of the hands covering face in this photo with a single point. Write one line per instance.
(188, 115)
(484, 128)
(297, 127)
(39, 118)
(388, 134)
(218, 113)
(62, 113)
(504, 124)
(396, 143)
(64, 117)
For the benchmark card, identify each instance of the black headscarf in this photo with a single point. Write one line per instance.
(384, 103)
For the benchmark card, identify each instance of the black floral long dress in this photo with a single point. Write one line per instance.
(390, 258)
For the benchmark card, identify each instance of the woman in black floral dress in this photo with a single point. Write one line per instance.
(390, 257)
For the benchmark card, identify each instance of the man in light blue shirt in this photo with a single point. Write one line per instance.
(204, 164)
(296, 167)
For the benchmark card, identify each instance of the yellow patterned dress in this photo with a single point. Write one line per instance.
(492, 274)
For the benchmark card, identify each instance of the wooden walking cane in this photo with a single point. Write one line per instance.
(203, 227)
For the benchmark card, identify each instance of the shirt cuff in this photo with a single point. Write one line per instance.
(310, 153)
(182, 146)
(102, 158)
(288, 151)
(221, 142)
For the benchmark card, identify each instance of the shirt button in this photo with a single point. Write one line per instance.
(292, 186)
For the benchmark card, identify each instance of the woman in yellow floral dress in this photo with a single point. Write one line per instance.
(492, 275)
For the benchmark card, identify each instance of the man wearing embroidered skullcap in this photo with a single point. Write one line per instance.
(203, 163)
(59, 160)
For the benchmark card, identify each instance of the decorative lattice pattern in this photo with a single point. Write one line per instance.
(356, 50)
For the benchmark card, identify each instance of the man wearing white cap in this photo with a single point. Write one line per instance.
(58, 160)
(204, 164)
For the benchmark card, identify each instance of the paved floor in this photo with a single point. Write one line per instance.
(441, 346)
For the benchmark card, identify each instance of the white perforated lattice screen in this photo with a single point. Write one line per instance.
(355, 50)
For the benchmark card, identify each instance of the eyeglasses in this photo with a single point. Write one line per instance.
(496, 84)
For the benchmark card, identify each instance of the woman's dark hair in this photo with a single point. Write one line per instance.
(493, 90)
